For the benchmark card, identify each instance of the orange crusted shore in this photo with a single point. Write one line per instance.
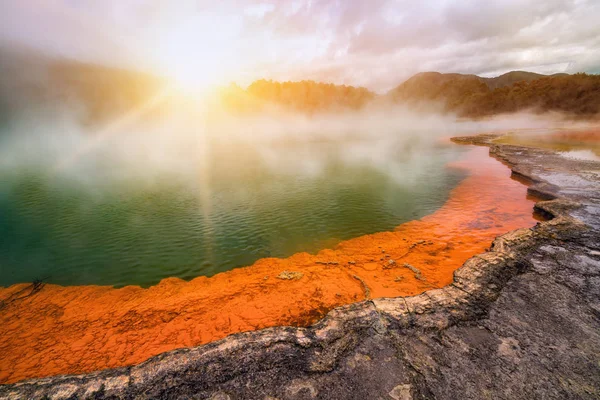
(78, 329)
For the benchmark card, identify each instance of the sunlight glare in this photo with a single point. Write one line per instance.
(199, 56)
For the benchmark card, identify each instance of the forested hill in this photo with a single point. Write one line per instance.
(473, 96)
(304, 96)
(469, 96)
(98, 93)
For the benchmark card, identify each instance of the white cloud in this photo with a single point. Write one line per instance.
(377, 43)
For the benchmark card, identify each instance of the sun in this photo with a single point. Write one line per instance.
(198, 57)
(194, 77)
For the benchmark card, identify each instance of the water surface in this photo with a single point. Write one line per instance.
(112, 217)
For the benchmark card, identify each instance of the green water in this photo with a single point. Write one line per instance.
(106, 222)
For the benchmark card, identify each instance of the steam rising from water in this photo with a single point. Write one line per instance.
(179, 144)
(187, 195)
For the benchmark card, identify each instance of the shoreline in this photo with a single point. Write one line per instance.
(52, 332)
(499, 313)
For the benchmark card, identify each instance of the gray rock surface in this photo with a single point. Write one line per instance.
(521, 321)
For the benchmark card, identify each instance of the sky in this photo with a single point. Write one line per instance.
(374, 43)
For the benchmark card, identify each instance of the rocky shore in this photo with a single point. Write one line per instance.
(520, 321)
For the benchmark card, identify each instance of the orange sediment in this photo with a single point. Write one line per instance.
(77, 329)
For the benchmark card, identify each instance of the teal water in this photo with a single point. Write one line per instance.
(208, 211)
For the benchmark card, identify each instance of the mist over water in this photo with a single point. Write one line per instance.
(185, 195)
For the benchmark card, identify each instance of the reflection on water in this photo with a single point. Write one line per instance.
(218, 205)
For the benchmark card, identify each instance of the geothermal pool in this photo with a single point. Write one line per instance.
(119, 213)
(76, 329)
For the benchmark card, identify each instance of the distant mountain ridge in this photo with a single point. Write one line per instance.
(496, 82)
(512, 77)
(465, 95)
(103, 93)
(474, 96)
